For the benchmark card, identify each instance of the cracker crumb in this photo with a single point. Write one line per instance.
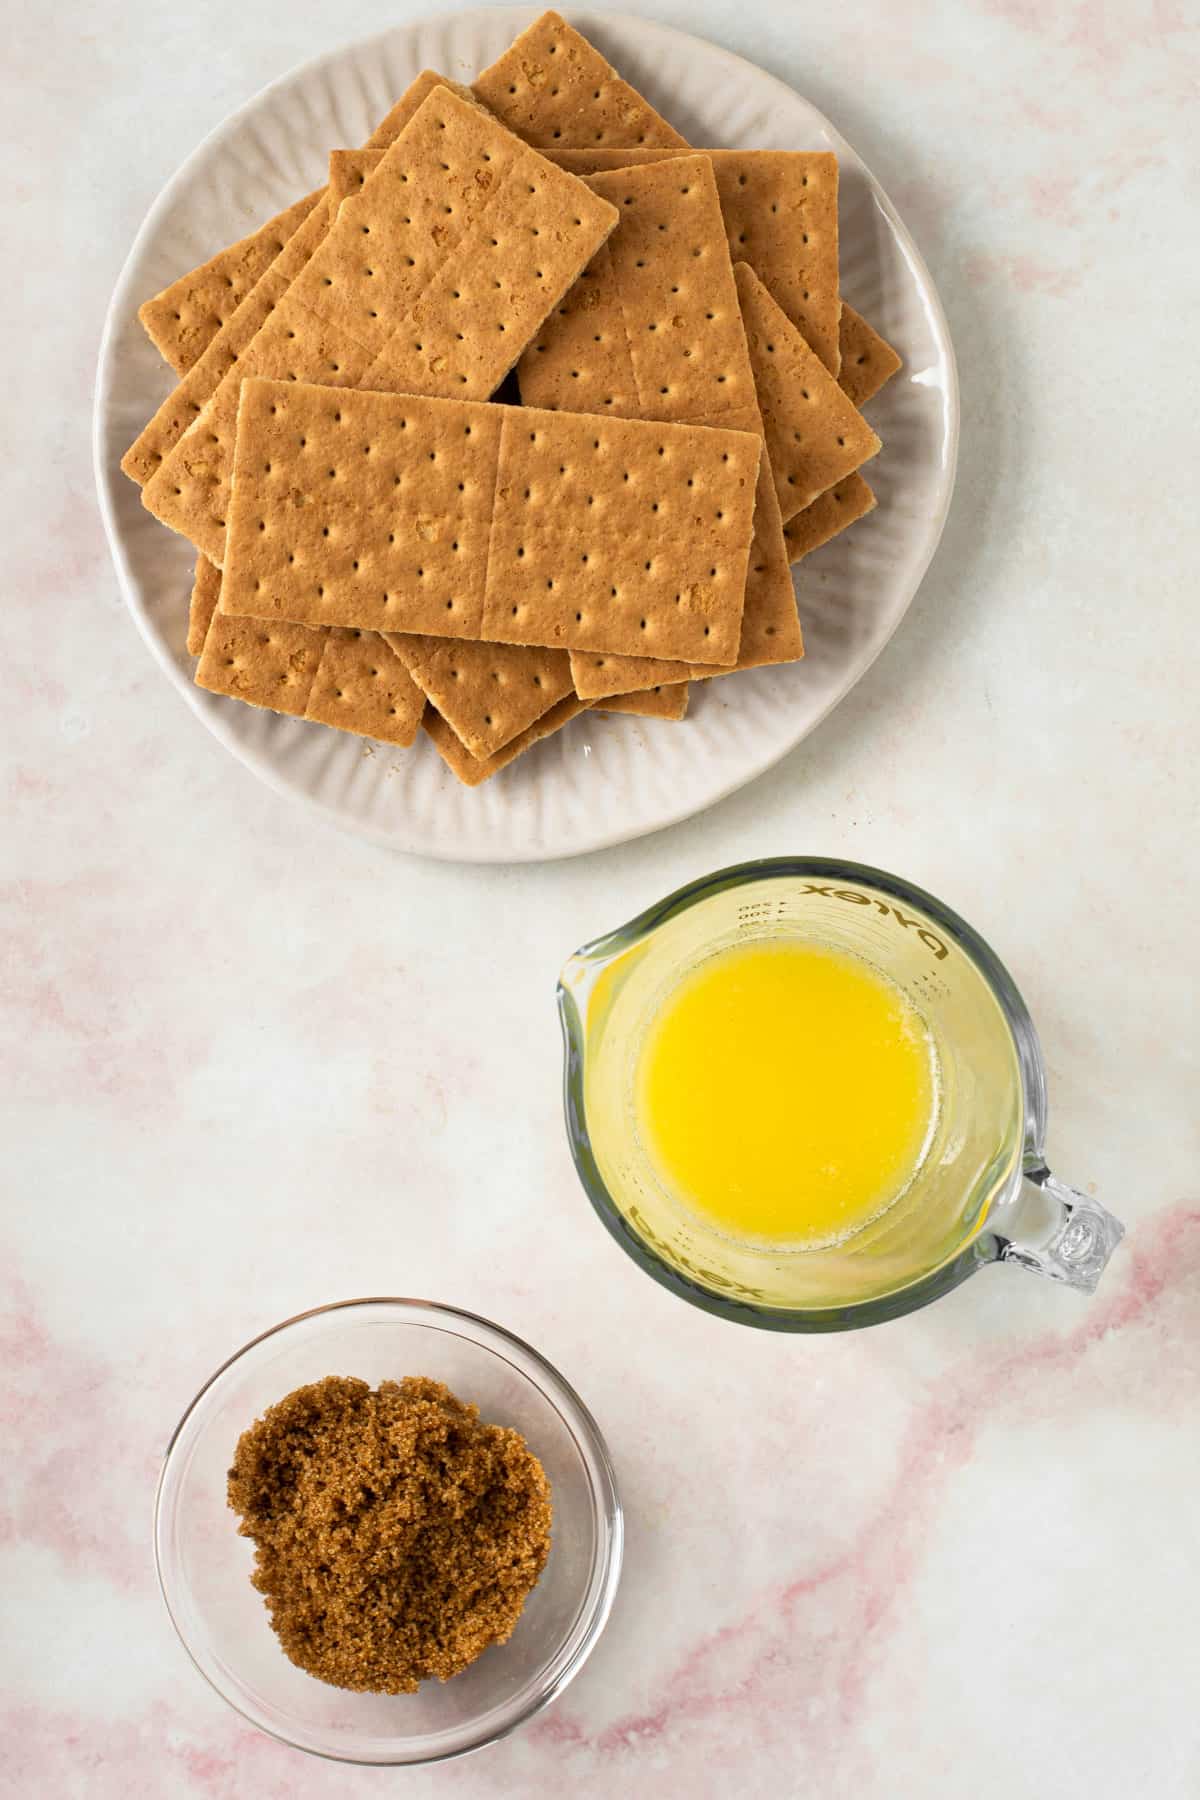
(396, 1537)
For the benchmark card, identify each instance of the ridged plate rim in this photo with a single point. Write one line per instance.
(602, 781)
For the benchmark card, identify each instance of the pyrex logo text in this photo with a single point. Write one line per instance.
(854, 898)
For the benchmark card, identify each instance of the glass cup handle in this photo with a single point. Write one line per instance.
(1069, 1236)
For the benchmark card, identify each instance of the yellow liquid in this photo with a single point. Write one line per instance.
(785, 1092)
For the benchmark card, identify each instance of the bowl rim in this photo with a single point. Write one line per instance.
(553, 1385)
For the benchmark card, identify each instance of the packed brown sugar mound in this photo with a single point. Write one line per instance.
(396, 1537)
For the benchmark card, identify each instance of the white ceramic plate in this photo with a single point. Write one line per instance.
(603, 779)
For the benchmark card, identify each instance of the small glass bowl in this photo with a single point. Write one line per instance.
(204, 1567)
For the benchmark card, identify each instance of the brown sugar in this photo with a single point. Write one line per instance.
(395, 1536)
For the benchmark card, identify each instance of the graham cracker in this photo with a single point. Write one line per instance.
(868, 360)
(608, 324)
(552, 87)
(348, 170)
(184, 404)
(183, 319)
(361, 686)
(347, 679)
(432, 278)
(487, 693)
(535, 670)
(770, 623)
(828, 514)
(653, 330)
(781, 213)
(255, 663)
(511, 524)
(583, 358)
(206, 591)
(339, 678)
(815, 435)
(651, 703)
(781, 216)
(472, 770)
(796, 257)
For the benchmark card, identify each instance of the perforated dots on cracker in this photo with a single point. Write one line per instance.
(829, 514)
(186, 316)
(771, 630)
(552, 87)
(652, 330)
(361, 509)
(185, 403)
(478, 309)
(265, 665)
(458, 519)
(577, 556)
(868, 360)
(363, 687)
(351, 680)
(650, 703)
(472, 770)
(815, 433)
(780, 209)
(386, 256)
(209, 361)
(487, 693)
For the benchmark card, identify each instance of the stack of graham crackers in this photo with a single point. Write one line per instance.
(383, 546)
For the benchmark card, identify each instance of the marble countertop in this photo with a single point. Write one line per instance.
(248, 1065)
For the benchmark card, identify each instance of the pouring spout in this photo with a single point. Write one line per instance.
(577, 972)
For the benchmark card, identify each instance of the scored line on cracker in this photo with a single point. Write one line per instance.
(230, 339)
(350, 680)
(653, 329)
(509, 524)
(780, 209)
(649, 703)
(431, 279)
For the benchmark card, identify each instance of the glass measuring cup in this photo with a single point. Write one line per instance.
(982, 1193)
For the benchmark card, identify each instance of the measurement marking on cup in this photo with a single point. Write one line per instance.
(854, 898)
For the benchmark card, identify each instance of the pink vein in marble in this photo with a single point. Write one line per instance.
(804, 1653)
(789, 1677)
